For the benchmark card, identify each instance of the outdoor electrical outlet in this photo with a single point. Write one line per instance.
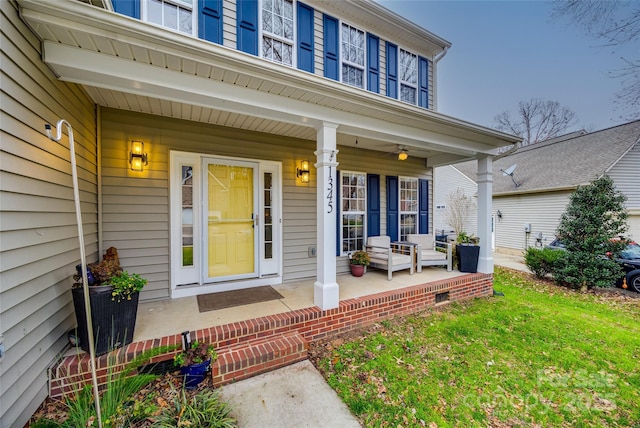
(312, 252)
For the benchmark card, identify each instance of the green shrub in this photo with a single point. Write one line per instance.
(543, 262)
(595, 215)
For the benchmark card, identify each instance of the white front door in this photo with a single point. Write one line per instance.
(225, 223)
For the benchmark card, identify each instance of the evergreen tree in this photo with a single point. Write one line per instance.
(595, 215)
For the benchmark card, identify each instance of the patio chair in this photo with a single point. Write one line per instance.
(390, 257)
(431, 252)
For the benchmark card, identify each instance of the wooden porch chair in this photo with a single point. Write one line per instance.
(390, 257)
(427, 253)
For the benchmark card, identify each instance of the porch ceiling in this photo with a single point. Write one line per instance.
(128, 64)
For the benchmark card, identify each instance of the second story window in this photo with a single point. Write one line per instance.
(277, 31)
(408, 77)
(353, 55)
(174, 14)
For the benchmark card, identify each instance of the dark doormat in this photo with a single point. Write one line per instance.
(229, 299)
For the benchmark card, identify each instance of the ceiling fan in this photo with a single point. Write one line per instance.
(402, 152)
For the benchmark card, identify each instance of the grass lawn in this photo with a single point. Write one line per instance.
(539, 356)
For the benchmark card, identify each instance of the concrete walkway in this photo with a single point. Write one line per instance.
(292, 397)
(510, 261)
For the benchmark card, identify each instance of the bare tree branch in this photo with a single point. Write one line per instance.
(536, 120)
(617, 23)
(459, 208)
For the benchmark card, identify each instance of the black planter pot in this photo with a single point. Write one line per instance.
(467, 256)
(113, 321)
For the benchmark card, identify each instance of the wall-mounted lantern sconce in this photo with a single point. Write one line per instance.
(137, 156)
(403, 155)
(303, 172)
(499, 214)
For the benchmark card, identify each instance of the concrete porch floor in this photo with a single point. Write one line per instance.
(173, 316)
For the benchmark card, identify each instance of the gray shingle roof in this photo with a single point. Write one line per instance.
(562, 162)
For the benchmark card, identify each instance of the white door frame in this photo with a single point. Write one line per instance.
(193, 277)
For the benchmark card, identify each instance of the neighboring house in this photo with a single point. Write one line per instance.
(233, 101)
(449, 180)
(546, 174)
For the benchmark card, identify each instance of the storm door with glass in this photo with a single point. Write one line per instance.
(230, 204)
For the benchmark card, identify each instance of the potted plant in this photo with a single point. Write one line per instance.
(194, 362)
(113, 296)
(467, 252)
(357, 261)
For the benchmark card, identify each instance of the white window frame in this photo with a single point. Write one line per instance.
(401, 81)
(344, 212)
(276, 37)
(402, 211)
(144, 12)
(343, 61)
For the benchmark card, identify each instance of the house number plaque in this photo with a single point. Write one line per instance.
(330, 193)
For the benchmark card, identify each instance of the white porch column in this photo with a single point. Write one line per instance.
(485, 191)
(326, 293)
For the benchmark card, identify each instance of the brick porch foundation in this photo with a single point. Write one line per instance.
(258, 345)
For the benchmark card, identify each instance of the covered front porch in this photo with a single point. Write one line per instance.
(252, 339)
(170, 317)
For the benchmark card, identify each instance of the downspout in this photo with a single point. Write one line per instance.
(436, 60)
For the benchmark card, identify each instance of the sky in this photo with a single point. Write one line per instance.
(504, 52)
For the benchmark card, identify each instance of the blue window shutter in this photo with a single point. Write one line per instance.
(338, 222)
(331, 47)
(373, 63)
(373, 205)
(127, 7)
(210, 20)
(423, 204)
(393, 212)
(247, 26)
(305, 38)
(392, 70)
(423, 80)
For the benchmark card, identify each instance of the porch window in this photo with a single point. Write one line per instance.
(174, 14)
(408, 77)
(408, 207)
(277, 31)
(353, 55)
(353, 191)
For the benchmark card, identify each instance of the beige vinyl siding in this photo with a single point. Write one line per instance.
(38, 235)
(229, 30)
(318, 29)
(136, 207)
(448, 179)
(542, 210)
(626, 175)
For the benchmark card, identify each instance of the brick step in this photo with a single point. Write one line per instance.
(256, 356)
